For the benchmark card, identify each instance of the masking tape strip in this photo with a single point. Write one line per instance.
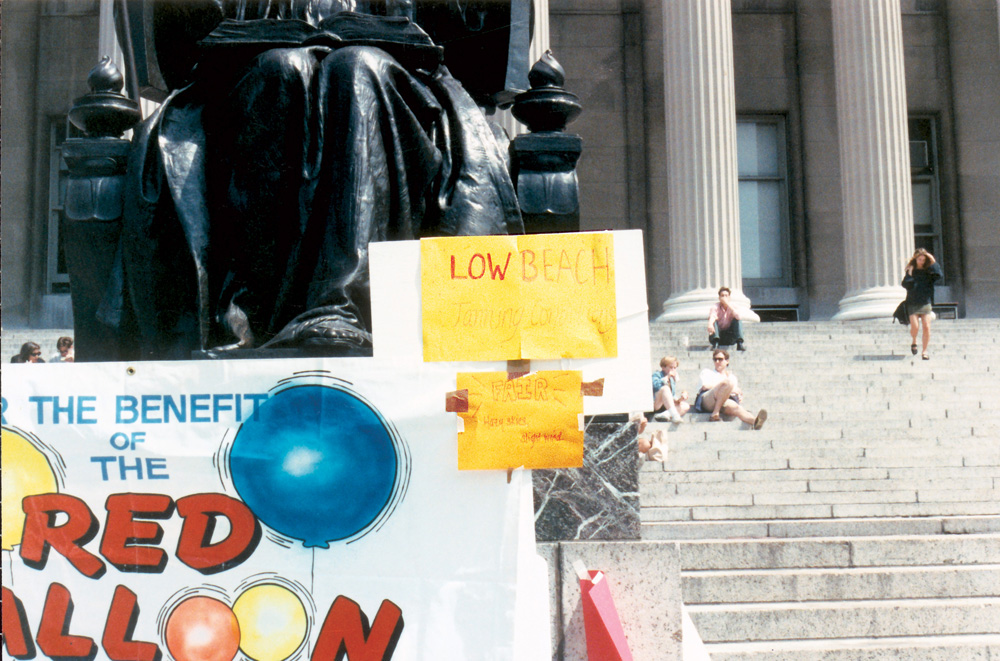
(517, 368)
(457, 401)
(592, 388)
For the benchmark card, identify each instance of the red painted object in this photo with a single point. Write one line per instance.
(605, 636)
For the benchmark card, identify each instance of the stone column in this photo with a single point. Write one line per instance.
(702, 190)
(874, 155)
(540, 41)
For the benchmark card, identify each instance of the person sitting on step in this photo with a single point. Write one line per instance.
(652, 446)
(724, 327)
(30, 352)
(668, 405)
(719, 393)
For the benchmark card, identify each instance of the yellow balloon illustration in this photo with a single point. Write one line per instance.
(25, 472)
(272, 622)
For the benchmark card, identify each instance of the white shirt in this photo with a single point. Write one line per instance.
(709, 378)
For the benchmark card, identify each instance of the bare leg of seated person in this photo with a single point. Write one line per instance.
(717, 399)
(662, 400)
(714, 399)
(729, 407)
(666, 408)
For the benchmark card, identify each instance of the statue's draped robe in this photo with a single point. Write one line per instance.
(255, 190)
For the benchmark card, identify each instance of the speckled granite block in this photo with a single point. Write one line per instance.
(645, 582)
(598, 501)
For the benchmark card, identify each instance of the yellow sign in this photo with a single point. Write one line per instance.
(540, 296)
(530, 421)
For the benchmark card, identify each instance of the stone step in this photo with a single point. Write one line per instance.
(907, 388)
(952, 456)
(758, 443)
(834, 398)
(869, 433)
(786, 492)
(862, 327)
(967, 647)
(842, 552)
(978, 355)
(821, 511)
(912, 371)
(765, 496)
(736, 460)
(874, 428)
(830, 361)
(890, 397)
(808, 404)
(915, 375)
(802, 334)
(852, 385)
(850, 413)
(657, 485)
(841, 584)
(843, 619)
(810, 474)
(892, 350)
(816, 341)
(824, 346)
(845, 527)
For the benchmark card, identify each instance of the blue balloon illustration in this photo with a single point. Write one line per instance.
(318, 464)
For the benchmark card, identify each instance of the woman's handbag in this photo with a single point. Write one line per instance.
(900, 314)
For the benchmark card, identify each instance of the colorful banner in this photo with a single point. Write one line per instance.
(540, 296)
(260, 510)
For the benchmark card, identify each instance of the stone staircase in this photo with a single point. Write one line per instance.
(863, 520)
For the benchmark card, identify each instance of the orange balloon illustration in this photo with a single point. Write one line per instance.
(202, 629)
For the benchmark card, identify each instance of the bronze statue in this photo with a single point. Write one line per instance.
(300, 132)
(292, 133)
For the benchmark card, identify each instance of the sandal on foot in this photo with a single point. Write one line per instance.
(925, 356)
(913, 349)
(715, 417)
(760, 419)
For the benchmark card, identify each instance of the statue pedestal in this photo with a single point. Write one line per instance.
(547, 186)
(599, 501)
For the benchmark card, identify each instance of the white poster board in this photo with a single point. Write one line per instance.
(396, 323)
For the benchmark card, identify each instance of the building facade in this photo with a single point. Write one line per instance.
(794, 150)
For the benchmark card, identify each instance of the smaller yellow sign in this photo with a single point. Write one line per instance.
(530, 421)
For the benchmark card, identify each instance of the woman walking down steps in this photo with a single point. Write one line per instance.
(922, 271)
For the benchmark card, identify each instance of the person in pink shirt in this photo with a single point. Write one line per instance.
(724, 327)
